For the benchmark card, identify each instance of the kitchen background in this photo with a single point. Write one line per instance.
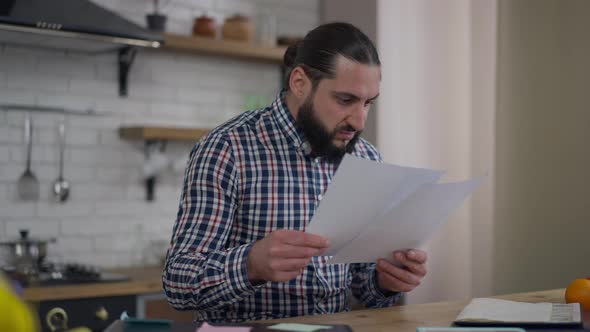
(107, 221)
(472, 87)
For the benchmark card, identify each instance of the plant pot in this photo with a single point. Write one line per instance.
(156, 22)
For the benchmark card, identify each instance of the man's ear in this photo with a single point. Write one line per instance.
(299, 83)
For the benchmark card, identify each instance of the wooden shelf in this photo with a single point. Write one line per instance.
(162, 133)
(223, 47)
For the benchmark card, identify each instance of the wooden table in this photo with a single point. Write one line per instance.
(402, 318)
(407, 318)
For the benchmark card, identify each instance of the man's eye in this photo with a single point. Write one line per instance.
(369, 102)
(344, 101)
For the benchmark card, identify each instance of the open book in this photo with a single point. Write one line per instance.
(485, 311)
(371, 209)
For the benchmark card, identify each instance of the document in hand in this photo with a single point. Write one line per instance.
(371, 209)
(495, 312)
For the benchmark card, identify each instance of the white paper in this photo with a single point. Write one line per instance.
(407, 225)
(372, 209)
(359, 193)
(496, 310)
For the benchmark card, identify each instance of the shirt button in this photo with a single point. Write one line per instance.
(320, 197)
(306, 147)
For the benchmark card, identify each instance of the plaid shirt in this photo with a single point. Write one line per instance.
(251, 176)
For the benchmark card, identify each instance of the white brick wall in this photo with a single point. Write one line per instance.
(107, 221)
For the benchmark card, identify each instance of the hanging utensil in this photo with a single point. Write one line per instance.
(28, 185)
(61, 187)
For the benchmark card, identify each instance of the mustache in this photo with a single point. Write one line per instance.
(346, 128)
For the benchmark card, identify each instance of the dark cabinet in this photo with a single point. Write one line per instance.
(94, 313)
(155, 306)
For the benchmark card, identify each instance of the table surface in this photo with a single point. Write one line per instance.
(403, 318)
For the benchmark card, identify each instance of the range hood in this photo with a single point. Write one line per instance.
(78, 25)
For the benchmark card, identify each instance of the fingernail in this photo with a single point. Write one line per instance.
(411, 254)
(327, 242)
(398, 255)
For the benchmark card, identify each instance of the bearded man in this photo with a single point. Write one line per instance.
(239, 249)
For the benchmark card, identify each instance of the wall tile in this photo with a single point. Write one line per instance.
(4, 153)
(38, 227)
(106, 221)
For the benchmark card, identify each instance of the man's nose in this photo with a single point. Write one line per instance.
(357, 117)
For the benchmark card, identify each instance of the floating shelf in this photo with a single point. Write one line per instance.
(162, 133)
(223, 47)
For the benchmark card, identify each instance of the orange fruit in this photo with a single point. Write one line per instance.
(579, 292)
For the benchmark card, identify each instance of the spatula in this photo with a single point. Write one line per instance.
(28, 185)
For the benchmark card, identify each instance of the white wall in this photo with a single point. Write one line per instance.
(362, 14)
(107, 221)
(543, 184)
(427, 113)
(484, 45)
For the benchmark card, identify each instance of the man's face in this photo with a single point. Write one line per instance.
(333, 116)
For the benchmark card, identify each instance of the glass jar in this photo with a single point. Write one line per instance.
(266, 29)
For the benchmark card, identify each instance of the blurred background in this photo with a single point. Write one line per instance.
(494, 88)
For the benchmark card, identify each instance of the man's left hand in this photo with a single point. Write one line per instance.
(405, 278)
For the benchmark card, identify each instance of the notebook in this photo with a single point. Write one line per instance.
(496, 312)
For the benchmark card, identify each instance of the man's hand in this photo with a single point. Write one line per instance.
(406, 278)
(282, 255)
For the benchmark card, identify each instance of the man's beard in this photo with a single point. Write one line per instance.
(319, 137)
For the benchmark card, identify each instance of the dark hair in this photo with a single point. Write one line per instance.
(317, 52)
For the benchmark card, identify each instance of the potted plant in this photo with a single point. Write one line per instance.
(156, 21)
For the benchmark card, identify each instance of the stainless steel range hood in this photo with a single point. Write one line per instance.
(78, 25)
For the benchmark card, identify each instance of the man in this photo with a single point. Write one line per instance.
(239, 249)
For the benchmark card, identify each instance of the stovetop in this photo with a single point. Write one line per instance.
(65, 274)
(68, 274)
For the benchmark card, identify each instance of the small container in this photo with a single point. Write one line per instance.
(156, 22)
(266, 29)
(239, 28)
(26, 256)
(204, 26)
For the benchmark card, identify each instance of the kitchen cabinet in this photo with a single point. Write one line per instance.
(141, 296)
(97, 313)
(155, 306)
(94, 313)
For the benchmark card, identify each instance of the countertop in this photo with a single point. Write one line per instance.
(143, 280)
(403, 318)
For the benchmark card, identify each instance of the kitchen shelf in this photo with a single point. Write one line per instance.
(162, 133)
(223, 47)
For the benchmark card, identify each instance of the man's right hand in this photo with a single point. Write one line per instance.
(282, 255)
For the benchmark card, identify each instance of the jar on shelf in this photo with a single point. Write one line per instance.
(204, 26)
(266, 29)
(238, 28)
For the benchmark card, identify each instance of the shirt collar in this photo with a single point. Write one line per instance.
(287, 123)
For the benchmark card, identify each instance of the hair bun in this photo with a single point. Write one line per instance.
(291, 54)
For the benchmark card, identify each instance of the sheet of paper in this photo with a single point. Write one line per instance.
(409, 224)
(359, 193)
(209, 328)
(299, 327)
